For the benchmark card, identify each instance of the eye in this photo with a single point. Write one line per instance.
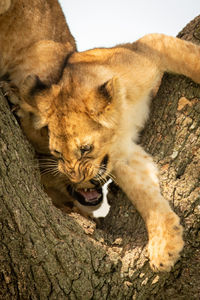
(57, 154)
(86, 149)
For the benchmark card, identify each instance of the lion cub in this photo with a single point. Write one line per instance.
(35, 39)
(94, 109)
(94, 115)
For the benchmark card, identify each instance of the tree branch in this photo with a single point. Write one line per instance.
(48, 254)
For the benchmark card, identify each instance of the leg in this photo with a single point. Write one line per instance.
(137, 176)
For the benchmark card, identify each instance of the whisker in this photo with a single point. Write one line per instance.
(48, 161)
(48, 166)
(106, 174)
(49, 172)
(46, 172)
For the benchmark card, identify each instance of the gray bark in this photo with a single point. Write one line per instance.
(46, 254)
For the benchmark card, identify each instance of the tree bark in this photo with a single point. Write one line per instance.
(47, 254)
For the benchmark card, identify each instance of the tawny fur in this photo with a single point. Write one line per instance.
(102, 100)
(34, 39)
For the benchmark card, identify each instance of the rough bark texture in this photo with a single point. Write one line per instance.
(46, 254)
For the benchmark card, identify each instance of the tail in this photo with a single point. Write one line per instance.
(171, 54)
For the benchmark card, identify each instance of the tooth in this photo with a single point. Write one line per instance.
(85, 190)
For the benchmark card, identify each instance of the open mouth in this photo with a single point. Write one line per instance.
(87, 197)
(91, 196)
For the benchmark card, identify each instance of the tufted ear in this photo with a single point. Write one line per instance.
(37, 97)
(104, 107)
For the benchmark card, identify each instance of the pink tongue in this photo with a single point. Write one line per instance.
(89, 195)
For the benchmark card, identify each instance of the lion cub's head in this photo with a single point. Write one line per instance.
(82, 114)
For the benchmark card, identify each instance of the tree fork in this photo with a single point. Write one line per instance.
(47, 254)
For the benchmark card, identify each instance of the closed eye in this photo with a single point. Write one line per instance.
(85, 149)
(57, 154)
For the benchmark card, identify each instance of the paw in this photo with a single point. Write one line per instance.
(9, 92)
(165, 242)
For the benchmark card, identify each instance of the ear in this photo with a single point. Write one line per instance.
(104, 107)
(31, 86)
(107, 90)
(37, 97)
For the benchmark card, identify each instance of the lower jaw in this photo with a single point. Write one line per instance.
(78, 197)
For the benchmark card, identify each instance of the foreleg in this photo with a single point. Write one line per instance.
(137, 176)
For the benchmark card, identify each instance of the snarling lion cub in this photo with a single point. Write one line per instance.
(94, 104)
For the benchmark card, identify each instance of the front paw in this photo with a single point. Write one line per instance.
(10, 92)
(165, 242)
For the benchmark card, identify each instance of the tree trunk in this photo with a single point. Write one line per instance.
(46, 254)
